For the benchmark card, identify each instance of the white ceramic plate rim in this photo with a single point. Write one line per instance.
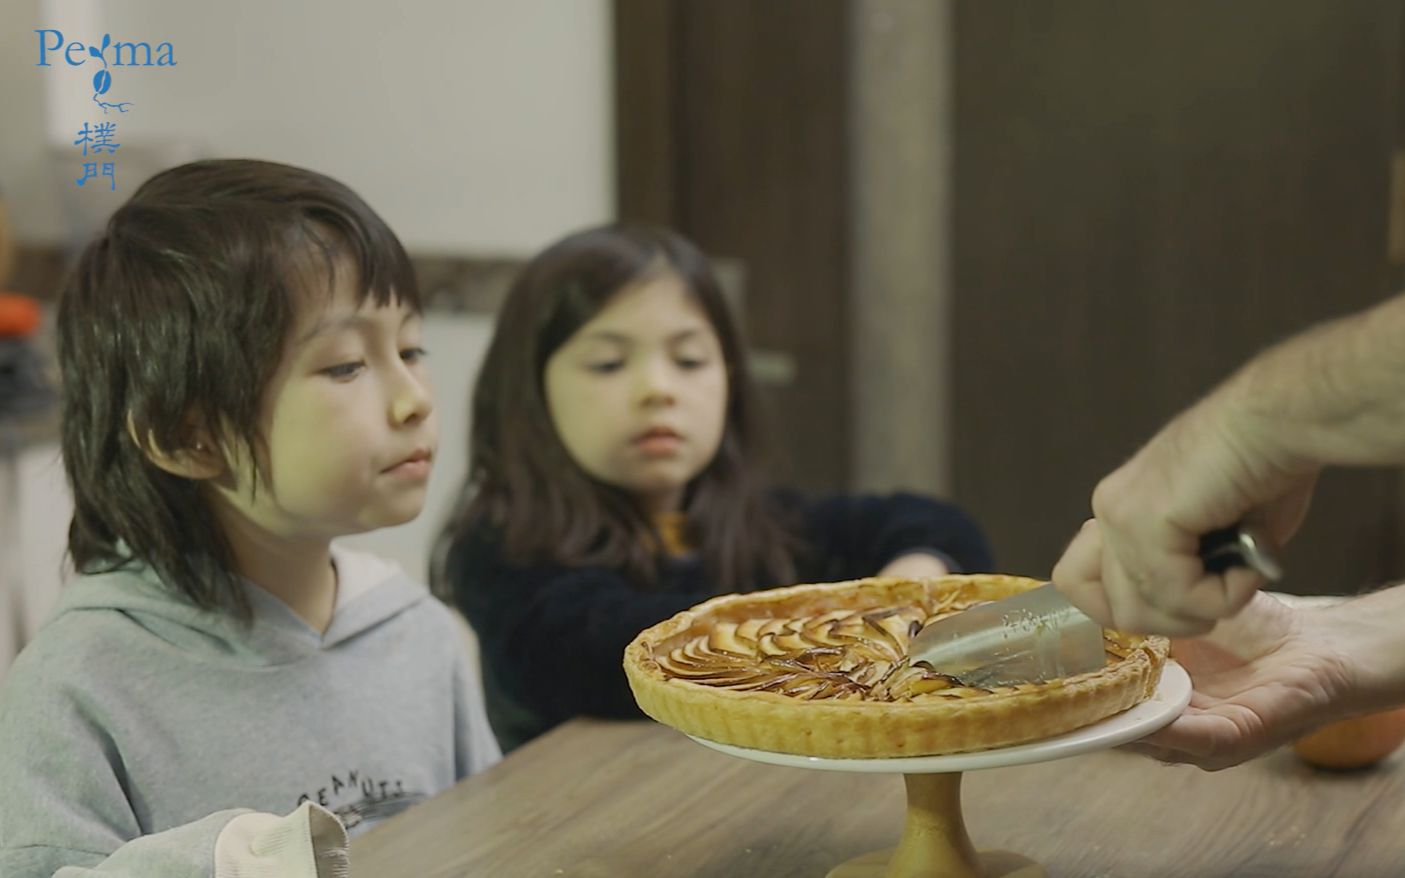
(1166, 703)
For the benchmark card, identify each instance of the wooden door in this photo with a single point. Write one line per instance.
(1146, 194)
(731, 128)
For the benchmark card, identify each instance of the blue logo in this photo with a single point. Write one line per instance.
(100, 137)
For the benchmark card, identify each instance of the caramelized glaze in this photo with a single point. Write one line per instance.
(842, 654)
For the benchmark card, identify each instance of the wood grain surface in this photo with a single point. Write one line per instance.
(595, 799)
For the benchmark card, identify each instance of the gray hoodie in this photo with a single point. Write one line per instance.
(133, 712)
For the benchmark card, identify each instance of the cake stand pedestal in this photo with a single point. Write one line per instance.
(934, 842)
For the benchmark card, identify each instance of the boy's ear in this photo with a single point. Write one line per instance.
(199, 462)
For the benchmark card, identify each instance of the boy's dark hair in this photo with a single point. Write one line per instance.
(171, 325)
(524, 485)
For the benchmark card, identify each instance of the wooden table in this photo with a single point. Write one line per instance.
(595, 799)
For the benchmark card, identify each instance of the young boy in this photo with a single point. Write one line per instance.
(243, 383)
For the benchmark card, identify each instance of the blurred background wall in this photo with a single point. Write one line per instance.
(482, 126)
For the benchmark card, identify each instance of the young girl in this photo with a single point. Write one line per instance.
(613, 481)
(243, 383)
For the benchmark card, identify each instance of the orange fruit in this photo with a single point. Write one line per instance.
(19, 315)
(1358, 742)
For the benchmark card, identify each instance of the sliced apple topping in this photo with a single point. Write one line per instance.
(843, 654)
(840, 654)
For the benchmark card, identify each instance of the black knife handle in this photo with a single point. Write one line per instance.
(1239, 546)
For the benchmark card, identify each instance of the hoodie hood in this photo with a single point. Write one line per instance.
(370, 592)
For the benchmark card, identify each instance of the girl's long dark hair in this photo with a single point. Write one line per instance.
(523, 484)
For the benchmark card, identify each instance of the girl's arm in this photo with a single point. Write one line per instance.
(853, 536)
(554, 638)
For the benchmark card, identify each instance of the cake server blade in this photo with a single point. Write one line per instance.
(1034, 636)
(1038, 635)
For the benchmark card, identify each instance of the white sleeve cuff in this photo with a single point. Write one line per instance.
(308, 843)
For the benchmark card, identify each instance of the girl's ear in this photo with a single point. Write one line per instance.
(199, 462)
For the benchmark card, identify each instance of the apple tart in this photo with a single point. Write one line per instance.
(822, 670)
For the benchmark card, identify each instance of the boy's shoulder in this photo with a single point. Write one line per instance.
(126, 618)
(79, 639)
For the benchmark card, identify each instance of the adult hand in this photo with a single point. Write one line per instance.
(1262, 679)
(1136, 565)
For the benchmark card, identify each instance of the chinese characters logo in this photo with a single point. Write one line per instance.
(98, 139)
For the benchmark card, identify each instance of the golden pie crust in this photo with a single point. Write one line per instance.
(821, 670)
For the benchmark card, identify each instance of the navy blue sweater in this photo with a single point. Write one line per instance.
(553, 637)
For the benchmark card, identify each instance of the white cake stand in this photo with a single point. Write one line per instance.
(934, 842)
